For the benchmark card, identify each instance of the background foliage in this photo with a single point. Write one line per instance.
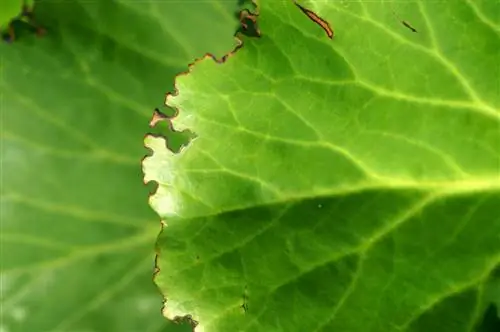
(77, 233)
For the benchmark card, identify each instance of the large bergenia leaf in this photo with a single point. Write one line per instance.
(348, 184)
(77, 244)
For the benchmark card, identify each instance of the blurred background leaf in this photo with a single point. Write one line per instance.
(9, 10)
(77, 233)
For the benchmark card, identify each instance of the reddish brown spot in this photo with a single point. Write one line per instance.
(157, 117)
(318, 20)
(40, 32)
(246, 15)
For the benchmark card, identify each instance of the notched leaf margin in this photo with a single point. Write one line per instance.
(248, 23)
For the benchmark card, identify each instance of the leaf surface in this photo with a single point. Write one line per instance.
(346, 184)
(9, 9)
(76, 234)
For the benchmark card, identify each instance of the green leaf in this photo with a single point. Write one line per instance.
(77, 236)
(346, 184)
(9, 9)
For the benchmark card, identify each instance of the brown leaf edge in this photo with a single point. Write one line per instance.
(157, 117)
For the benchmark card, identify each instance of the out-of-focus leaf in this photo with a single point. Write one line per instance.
(76, 232)
(9, 9)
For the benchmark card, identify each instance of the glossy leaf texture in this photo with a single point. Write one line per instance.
(345, 184)
(77, 236)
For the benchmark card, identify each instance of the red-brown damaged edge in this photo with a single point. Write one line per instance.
(158, 117)
(318, 20)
